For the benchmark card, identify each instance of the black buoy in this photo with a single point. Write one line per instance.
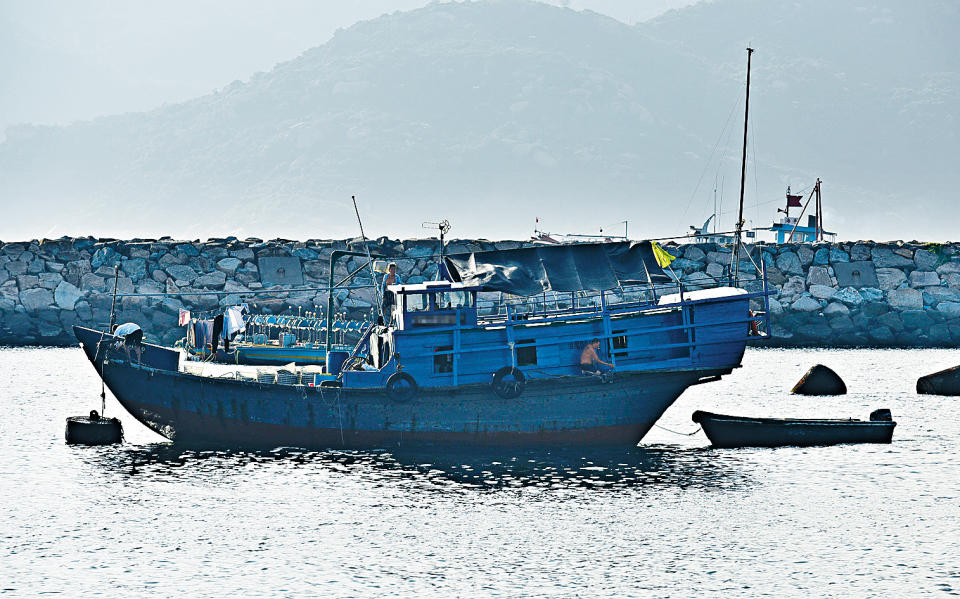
(820, 380)
(945, 382)
(93, 430)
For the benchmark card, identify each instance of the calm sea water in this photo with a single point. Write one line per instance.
(670, 518)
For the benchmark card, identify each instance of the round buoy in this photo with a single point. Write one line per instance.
(93, 430)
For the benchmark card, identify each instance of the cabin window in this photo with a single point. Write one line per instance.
(619, 344)
(526, 356)
(450, 300)
(443, 362)
(418, 302)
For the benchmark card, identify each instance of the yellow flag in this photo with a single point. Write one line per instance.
(663, 256)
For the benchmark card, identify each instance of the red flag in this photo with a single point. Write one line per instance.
(793, 201)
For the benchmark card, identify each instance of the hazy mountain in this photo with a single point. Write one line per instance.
(491, 114)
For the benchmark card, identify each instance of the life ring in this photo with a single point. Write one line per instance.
(508, 388)
(401, 387)
(754, 329)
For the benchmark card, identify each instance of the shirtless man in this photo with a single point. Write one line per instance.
(590, 362)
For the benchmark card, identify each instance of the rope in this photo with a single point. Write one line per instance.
(699, 428)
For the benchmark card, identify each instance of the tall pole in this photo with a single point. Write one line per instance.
(743, 173)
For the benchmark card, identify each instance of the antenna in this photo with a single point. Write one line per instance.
(444, 227)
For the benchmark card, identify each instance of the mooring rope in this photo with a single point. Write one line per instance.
(699, 428)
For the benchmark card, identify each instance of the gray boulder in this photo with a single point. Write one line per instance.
(885, 258)
(905, 299)
(136, 268)
(818, 275)
(836, 308)
(36, 298)
(822, 291)
(848, 296)
(805, 255)
(694, 253)
(925, 260)
(949, 309)
(213, 280)
(788, 262)
(859, 252)
(923, 278)
(890, 278)
(806, 304)
(871, 294)
(67, 295)
(838, 255)
(792, 287)
(183, 273)
(228, 265)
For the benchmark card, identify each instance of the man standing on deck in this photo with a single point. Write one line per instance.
(388, 297)
(590, 362)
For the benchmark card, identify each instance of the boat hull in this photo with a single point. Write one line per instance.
(734, 431)
(582, 410)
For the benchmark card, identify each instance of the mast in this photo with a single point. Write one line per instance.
(743, 173)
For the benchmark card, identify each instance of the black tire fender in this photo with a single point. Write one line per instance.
(507, 388)
(401, 387)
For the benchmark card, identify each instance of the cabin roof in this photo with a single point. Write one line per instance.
(428, 286)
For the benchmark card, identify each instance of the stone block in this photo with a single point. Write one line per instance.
(949, 268)
(855, 274)
(892, 321)
(28, 281)
(67, 295)
(923, 278)
(694, 253)
(789, 263)
(949, 309)
(882, 334)
(835, 308)
(859, 252)
(16, 267)
(848, 296)
(822, 291)
(837, 255)
(886, 258)
(939, 294)
(715, 270)
(916, 319)
(890, 278)
(805, 304)
(841, 323)
(719, 257)
(180, 272)
(775, 307)
(792, 287)
(698, 280)
(871, 294)
(805, 255)
(228, 265)
(818, 275)
(939, 334)
(50, 280)
(925, 259)
(874, 309)
(168, 260)
(36, 298)
(213, 280)
(135, 268)
(905, 299)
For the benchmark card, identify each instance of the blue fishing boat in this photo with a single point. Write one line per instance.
(491, 356)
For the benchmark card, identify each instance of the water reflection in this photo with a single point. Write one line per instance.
(472, 468)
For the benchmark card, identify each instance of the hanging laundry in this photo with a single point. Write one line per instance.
(233, 322)
(184, 317)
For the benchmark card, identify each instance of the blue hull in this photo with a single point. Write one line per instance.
(567, 410)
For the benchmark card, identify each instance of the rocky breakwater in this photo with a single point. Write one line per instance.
(848, 294)
(46, 286)
(861, 294)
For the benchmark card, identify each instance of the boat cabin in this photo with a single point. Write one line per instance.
(434, 304)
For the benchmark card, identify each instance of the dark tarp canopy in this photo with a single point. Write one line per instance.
(575, 267)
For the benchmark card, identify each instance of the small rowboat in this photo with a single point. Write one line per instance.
(739, 431)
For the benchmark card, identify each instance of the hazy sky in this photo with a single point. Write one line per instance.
(62, 60)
